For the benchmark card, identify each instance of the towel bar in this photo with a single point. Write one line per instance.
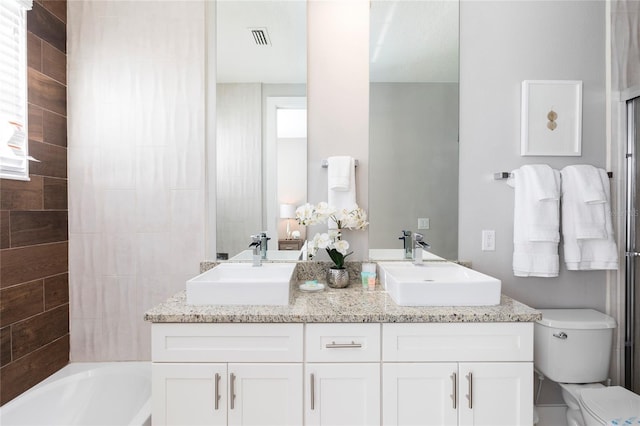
(325, 163)
(507, 175)
(501, 175)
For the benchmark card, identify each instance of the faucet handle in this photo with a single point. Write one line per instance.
(420, 242)
(405, 234)
(255, 240)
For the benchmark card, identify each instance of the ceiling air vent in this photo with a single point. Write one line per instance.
(260, 36)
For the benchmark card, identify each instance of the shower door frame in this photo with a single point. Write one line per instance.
(631, 251)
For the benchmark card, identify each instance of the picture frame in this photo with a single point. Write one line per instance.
(551, 121)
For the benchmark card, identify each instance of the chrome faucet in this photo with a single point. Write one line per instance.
(419, 245)
(263, 244)
(256, 244)
(408, 244)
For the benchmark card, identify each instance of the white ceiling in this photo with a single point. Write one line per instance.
(411, 41)
(240, 60)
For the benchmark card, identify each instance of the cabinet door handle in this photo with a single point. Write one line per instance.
(313, 391)
(232, 390)
(470, 394)
(334, 345)
(217, 391)
(454, 395)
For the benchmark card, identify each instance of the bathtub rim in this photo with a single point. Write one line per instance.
(82, 369)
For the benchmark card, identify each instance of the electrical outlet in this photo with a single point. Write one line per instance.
(423, 223)
(488, 240)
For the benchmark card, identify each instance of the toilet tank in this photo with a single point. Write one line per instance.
(573, 345)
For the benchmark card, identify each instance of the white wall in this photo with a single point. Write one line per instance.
(503, 43)
(136, 167)
(338, 93)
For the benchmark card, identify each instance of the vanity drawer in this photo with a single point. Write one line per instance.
(342, 342)
(457, 342)
(226, 342)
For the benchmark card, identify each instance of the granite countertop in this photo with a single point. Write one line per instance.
(352, 304)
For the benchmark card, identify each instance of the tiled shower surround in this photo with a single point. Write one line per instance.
(136, 167)
(34, 289)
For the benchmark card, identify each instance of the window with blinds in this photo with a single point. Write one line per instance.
(14, 150)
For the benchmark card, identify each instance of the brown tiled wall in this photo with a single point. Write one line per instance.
(34, 252)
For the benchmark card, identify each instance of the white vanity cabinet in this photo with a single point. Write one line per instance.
(227, 374)
(501, 394)
(390, 374)
(458, 374)
(185, 394)
(419, 394)
(342, 374)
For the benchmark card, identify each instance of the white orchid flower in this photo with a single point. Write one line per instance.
(324, 211)
(342, 246)
(323, 240)
(305, 214)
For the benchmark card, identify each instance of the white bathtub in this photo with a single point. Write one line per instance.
(105, 393)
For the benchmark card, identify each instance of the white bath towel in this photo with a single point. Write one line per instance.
(536, 221)
(588, 199)
(339, 172)
(343, 199)
(587, 228)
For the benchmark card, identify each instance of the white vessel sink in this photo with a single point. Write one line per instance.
(242, 284)
(398, 254)
(438, 284)
(288, 255)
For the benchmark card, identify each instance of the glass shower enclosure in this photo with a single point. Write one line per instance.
(632, 250)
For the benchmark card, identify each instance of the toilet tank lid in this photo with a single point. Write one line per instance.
(576, 319)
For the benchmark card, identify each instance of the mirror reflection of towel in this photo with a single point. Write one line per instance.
(339, 173)
(341, 199)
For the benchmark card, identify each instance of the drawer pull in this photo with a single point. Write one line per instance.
(232, 385)
(217, 391)
(454, 395)
(470, 394)
(334, 345)
(313, 391)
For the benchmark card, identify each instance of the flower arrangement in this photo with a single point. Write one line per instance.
(331, 241)
(355, 218)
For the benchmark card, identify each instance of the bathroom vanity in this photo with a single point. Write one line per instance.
(342, 357)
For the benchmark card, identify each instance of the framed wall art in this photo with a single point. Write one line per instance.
(551, 123)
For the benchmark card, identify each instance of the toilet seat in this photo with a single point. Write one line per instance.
(608, 403)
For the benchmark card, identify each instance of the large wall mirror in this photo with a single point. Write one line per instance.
(413, 148)
(413, 123)
(261, 157)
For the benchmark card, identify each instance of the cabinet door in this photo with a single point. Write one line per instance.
(419, 394)
(265, 394)
(496, 394)
(342, 394)
(186, 394)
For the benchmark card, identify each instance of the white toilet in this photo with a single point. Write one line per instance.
(573, 348)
